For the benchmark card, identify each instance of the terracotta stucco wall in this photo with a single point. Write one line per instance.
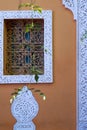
(58, 112)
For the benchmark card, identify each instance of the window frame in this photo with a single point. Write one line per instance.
(47, 77)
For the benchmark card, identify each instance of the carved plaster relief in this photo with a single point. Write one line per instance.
(82, 64)
(79, 10)
(47, 77)
(24, 109)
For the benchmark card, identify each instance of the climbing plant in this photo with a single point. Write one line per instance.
(29, 27)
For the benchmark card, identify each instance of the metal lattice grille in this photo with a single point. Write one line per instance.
(23, 50)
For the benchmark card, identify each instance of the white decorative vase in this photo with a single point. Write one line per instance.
(24, 108)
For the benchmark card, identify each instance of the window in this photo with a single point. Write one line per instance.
(21, 50)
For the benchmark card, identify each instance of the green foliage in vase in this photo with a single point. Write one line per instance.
(17, 91)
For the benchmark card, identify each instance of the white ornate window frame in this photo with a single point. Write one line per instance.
(47, 77)
(79, 10)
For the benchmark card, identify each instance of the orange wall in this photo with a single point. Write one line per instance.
(58, 112)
